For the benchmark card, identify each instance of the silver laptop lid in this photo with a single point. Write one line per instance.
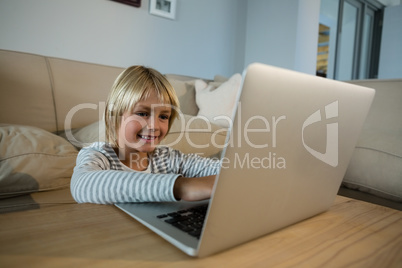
(292, 138)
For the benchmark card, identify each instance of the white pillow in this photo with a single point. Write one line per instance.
(87, 135)
(216, 101)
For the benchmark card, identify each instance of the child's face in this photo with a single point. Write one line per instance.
(145, 127)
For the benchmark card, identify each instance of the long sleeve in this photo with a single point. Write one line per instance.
(94, 181)
(99, 176)
(188, 165)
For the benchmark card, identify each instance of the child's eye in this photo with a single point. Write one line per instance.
(164, 117)
(142, 114)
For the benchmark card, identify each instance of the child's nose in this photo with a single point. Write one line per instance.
(152, 123)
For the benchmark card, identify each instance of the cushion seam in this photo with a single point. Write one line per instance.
(372, 149)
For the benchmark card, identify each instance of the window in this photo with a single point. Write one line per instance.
(350, 30)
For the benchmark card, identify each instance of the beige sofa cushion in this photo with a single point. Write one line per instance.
(80, 91)
(185, 91)
(25, 90)
(184, 87)
(32, 160)
(376, 165)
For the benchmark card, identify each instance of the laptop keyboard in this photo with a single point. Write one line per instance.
(188, 220)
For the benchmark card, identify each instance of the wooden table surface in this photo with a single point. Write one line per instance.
(351, 234)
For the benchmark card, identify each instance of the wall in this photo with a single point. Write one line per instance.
(207, 37)
(283, 33)
(390, 65)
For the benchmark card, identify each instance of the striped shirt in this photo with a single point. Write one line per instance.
(100, 177)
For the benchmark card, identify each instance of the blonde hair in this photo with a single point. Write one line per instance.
(133, 85)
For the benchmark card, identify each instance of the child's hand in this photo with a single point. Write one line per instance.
(193, 189)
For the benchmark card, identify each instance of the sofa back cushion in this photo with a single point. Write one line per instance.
(80, 91)
(49, 93)
(56, 94)
(376, 165)
(26, 91)
(184, 87)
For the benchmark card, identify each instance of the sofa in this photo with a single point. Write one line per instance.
(374, 173)
(52, 107)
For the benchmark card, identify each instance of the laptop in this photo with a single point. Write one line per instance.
(292, 138)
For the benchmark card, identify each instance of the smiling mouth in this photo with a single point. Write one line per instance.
(148, 138)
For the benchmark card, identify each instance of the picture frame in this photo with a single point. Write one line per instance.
(163, 8)
(135, 3)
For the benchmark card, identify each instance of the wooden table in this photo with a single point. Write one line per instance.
(351, 234)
